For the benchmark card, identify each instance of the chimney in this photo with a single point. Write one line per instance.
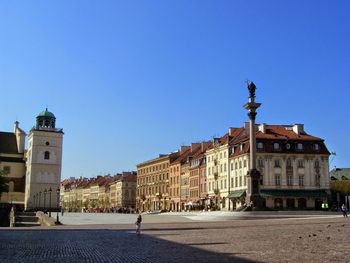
(298, 128)
(246, 126)
(20, 137)
(194, 146)
(262, 128)
(15, 126)
(184, 148)
(231, 131)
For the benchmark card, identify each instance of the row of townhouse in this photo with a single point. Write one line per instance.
(294, 167)
(101, 193)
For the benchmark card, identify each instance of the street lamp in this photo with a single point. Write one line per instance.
(50, 190)
(58, 199)
(45, 192)
(34, 202)
(39, 199)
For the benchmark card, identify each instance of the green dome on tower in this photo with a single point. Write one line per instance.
(45, 119)
(46, 113)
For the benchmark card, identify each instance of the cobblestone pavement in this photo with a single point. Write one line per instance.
(269, 240)
(174, 217)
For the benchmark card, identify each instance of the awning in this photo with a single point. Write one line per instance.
(292, 193)
(237, 194)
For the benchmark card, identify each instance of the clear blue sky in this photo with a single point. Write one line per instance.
(130, 79)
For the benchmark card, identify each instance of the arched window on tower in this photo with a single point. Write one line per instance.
(47, 155)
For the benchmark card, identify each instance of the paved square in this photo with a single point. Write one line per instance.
(268, 240)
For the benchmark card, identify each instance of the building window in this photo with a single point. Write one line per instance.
(316, 147)
(220, 168)
(240, 164)
(47, 155)
(318, 180)
(11, 186)
(276, 146)
(225, 167)
(301, 180)
(260, 145)
(236, 165)
(231, 182)
(231, 166)
(277, 163)
(236, 181)
(245, 180)
(289, 163)
(300, 147)
(240, 181)
(261, 163)
(224, 154)
(301, 163)
(245, 163)
(317, 164)
(7, 169)
(277, 179)
(47, 143)
(289, 180)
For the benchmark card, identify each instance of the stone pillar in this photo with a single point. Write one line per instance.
(253, 197)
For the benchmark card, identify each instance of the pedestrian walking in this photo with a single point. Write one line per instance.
(62, 211)
(344, 210)
(138, 224)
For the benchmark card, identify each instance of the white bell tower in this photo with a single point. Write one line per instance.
(44, 162)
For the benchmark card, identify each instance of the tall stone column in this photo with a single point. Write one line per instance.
(253, 197)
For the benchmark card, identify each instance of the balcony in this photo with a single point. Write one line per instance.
(216, 175)
(216, 191)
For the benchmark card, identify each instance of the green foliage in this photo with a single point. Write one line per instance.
(343, 187)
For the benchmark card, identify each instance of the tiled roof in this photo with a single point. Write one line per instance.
(283, 132)
(8, 142)
(182, 157)
(340, 174)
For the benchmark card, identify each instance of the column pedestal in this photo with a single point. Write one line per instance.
(253, 197)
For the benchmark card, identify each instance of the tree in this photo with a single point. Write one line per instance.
(3, 184)
(343, 187)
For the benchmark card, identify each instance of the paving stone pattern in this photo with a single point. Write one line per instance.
(268, 240)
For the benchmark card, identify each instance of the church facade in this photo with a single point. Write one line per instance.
(33, 175)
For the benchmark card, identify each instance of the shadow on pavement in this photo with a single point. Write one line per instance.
(104, 246)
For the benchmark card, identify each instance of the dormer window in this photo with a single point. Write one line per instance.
(300, 146)
(260, 145)
(276, 146)
(241, 147)
(47, 155)
(316, 147)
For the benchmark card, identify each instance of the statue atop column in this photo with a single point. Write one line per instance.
(253, 197)
(251, 88)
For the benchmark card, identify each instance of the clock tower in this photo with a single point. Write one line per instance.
(44, 162)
